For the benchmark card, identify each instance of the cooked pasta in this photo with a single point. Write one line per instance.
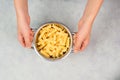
(53, 41)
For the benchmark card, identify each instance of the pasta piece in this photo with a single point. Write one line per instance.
(68, 42)
(44, 53)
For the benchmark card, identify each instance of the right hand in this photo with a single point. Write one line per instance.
(82, 37)
(25, 33)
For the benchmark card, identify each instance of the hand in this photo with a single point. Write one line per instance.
(25, 34)
(82, 37)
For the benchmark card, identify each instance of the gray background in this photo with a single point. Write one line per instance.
(100, 61)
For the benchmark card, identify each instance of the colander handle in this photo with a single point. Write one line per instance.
(34, 30)
(73, 33)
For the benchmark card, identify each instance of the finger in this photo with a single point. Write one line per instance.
(85, 43)
(31, 33)
(27, 41)
(82, 46)
(77, 45)
(21, 40)
(31, 38)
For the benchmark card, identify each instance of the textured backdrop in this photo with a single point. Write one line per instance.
(100, 61)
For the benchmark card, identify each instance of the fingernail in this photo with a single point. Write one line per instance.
(75, 51)
(27, 46)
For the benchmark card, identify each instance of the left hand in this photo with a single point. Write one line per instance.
(82, 37)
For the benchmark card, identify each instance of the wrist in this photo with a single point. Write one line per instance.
(23, 17)
(88, 19)
(22, 14)
(85, 22)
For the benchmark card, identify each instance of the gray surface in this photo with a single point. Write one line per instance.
(100, 61)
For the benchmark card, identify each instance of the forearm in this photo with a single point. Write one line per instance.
(21, 7)
(91, 10)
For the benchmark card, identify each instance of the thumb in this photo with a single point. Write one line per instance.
(77, 43)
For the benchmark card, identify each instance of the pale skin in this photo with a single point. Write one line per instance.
(81, 38)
